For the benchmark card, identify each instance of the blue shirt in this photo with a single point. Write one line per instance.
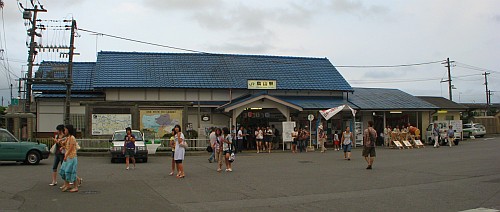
(128, 143)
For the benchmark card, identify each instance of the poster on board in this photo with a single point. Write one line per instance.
(159, 122)
(287, 131)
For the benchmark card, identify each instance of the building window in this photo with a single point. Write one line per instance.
(78, 121)
(434, 118)
(448, 118)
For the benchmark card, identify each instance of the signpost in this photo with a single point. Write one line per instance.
(310, 148)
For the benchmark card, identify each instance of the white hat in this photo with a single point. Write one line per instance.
(320, 126)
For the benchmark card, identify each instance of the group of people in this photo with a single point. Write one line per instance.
(221, 142)
(65, 148)
(260, 138)
(400, 133)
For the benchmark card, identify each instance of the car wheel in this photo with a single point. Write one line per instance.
(32, 158)
(481, 136)
(145, 160)
(113, 160)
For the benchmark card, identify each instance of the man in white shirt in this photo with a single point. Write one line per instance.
(239, 139)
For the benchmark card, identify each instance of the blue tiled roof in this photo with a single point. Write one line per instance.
(194, 70)
(82, 76)
(387, 99)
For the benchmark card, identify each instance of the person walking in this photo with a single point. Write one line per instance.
(450, 135)
(259, 135)
(212, 144)
(70, 161)
(435, 134)
(180, 144)
(226, 148)
(172, 145)
(321, 138)
(58, 155)
(295, 137)
(129, 150)
(369, 138)
(347, 138)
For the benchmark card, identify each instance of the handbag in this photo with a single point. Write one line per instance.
(209, 148)
(184, 144)
(232, 157)
(53, 149)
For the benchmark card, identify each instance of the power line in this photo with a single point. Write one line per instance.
(143, 42)
(405, 80)
(463, 65)
(388, 66)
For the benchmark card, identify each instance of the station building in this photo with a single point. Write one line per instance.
(155, 91)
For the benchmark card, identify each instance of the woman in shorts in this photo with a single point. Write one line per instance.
(259, 135)
(179, 151)
(226, 148)
(347, 138)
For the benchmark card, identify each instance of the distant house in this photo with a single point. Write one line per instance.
(447, 109)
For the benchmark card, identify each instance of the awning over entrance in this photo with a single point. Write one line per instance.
(299, 103)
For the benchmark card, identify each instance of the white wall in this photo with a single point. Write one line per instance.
(51, 114)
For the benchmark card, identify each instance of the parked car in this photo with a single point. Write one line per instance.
(474, 129)
(11, 149)
(118, 141)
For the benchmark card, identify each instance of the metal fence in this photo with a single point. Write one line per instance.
(104, 144)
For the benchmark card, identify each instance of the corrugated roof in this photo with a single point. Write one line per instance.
(194, 70)
(387, 99)
(443, 103)
(82, 75)
(73, 95)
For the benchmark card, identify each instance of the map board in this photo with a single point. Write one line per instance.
(160, 122)
(107, 124)
(457, 125)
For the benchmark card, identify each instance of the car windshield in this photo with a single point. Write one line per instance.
(119, 136)
(467, 126)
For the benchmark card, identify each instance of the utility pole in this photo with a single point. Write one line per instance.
(69, 77)
(32, 53)
(449, 79)
(487, 91)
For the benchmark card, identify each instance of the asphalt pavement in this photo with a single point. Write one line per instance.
(463, 177)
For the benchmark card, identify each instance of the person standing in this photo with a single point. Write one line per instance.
(58, 155)
(435, 134)
(212, 144)
(451, 135)
(70, 161)
(239, 139)
(259, 135)
(226, 148)
(387, 135)
(172, 145)
(336, 141)
(219, 148)
(321, 138)
(268, 138)
(347, 138)
(295, 136)
(129, 151)
(179, 151)
(369, 138)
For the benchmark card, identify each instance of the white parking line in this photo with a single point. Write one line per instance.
(481, 210)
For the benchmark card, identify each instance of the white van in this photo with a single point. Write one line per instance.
(443, 130)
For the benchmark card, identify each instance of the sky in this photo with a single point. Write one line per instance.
(355, 35)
